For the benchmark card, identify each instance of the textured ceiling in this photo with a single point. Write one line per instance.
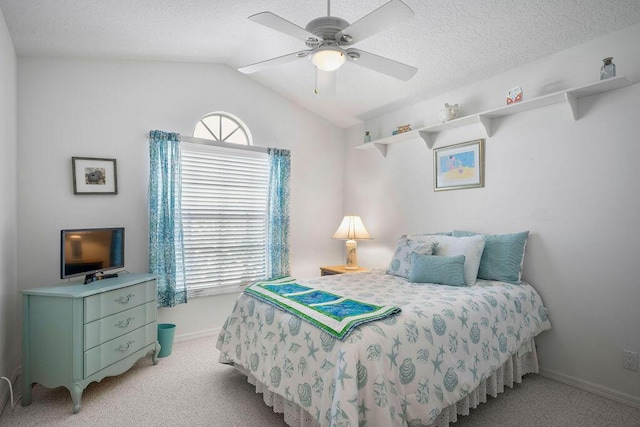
(452, 43)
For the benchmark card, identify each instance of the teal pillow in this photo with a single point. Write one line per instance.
(502, 257)
(445, 270)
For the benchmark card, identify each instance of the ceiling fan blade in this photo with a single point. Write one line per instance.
(382, 65)
(277, 23)
(263, 65)
(376, 21)
(325, 83)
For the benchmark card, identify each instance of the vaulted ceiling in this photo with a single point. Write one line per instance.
(452, 42)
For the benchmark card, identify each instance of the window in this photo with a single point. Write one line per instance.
(223, 127)
(224, 209)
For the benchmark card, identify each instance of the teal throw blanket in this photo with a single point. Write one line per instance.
(332, 313)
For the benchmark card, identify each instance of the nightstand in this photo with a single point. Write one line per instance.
(339, 269)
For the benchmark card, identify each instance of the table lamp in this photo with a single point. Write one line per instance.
(351, 229)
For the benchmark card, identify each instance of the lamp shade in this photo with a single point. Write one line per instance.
(328, 58)
(351, 228)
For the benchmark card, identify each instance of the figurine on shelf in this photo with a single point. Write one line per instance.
(448, 112)
(608, 69)
(514, 95)
(401, 129)
(367, 137)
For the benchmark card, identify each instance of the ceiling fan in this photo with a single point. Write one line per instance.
(329, 37)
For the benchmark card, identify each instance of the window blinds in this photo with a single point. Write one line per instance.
(224, 202)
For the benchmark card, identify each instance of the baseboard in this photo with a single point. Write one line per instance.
(5, 397)
(627, 399)
(198, 334)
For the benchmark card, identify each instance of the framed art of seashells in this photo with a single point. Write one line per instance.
(94, 176)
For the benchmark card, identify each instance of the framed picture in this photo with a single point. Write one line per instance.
(459, 166)
(94, 176)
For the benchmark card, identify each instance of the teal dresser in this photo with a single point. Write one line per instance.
(75, 334)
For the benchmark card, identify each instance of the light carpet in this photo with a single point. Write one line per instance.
(190, 388)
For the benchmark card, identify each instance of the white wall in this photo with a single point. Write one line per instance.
(105, 109)
(572, 184)
(9, 302)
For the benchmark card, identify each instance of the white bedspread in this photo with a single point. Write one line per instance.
(399, 371)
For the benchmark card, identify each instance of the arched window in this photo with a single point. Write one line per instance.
(223, 127)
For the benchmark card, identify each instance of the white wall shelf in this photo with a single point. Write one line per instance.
(570, 97)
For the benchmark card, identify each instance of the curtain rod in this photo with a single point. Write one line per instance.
(204, 141)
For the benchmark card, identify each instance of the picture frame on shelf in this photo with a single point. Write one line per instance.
(94, 175)
(459, 166)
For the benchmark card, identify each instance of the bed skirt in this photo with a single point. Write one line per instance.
(524, 361)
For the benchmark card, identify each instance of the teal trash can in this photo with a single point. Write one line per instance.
(166, 331)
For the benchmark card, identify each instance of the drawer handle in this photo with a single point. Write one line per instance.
(125, 300)
(125, 347)
(124, 323)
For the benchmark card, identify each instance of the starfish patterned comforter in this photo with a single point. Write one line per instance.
(402, 370)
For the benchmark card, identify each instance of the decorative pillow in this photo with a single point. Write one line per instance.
(401, 260)
(471, 247)
(503, 256)
(446, 270)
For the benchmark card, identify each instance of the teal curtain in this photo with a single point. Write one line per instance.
(166, 248)
(278, 213)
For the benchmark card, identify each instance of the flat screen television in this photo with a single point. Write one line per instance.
(88, 251)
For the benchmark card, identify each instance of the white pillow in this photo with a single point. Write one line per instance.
(471, 247)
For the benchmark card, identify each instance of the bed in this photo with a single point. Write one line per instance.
(447, 349)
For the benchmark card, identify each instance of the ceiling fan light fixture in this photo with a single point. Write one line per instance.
(328, 58)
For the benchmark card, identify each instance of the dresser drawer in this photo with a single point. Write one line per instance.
(108, 303)
(108, 328)
(112, 351)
